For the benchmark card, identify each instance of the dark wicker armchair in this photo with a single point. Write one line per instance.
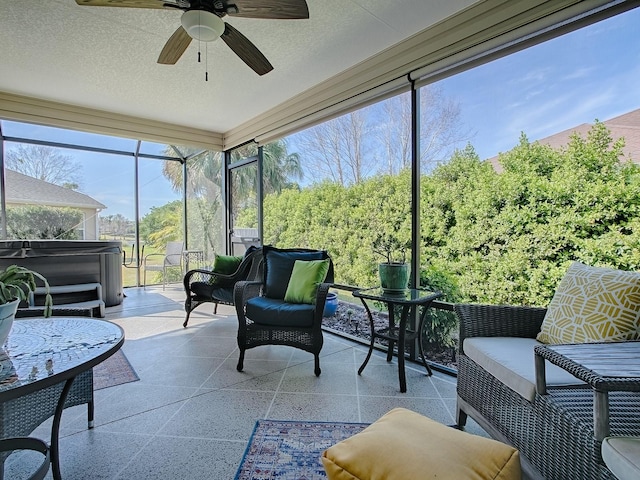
(265, 318)
(205, 286)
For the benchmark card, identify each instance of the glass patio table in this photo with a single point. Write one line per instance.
(409, 300)
(38, 366)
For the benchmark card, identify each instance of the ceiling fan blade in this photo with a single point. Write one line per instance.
(288, 9)
(175, 47)
(123, 3)
(246, 50)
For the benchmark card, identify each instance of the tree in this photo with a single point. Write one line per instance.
(162, 224)
(42, 222)
(117, 225)
(335, 149)
(204, 177)
(509, 237)
(44, 163)
(204, 171)
(377, 139)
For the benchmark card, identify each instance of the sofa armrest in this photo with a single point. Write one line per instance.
(498, 321)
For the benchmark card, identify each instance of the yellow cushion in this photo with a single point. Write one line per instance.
(593, 304)
(403, 445)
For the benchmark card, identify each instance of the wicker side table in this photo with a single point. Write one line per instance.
(606, 367)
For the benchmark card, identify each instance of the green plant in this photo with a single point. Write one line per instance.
(16, 282)
(390, 247)
(440, 327)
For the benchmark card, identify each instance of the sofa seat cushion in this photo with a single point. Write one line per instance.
(404, 445)
(511, 360)
(208, 291)
(622, 456)
(271, 311)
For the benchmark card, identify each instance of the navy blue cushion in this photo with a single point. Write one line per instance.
(206, 290)
(278, 265)
(271, 311)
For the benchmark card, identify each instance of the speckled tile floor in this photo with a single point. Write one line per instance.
(191, 413)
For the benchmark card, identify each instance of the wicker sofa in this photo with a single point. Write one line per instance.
(553, 432)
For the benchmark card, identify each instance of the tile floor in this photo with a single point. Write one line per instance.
(191, 414)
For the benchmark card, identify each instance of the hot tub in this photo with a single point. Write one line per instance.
(68, 262)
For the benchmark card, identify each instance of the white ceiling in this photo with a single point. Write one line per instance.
(105, 58)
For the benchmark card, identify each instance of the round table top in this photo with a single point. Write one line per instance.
(42, 352)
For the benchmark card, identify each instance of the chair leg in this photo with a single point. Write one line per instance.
(186, 320)
(317, 370)
(90, 410)
(240, 361)
(215, 308)
(461, 419)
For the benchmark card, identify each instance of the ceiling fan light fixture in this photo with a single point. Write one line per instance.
(202, 25)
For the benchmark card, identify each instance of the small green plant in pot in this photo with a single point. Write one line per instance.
(15, 285)
(394, 272)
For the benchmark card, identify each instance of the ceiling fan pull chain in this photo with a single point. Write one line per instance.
(206, 62)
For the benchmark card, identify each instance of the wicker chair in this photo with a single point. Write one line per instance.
(554, 433)
(205, 286)
(276, 322)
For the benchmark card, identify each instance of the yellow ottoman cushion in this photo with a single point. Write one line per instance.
(405, 445)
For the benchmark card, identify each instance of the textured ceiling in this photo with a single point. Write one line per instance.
(105, 58)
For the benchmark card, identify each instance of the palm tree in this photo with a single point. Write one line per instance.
(205, 170)
(204, 180)
(279, 168)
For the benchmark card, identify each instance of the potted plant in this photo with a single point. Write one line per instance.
(15, 285)
(394, 272)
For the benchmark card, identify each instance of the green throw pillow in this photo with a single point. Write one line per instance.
(304, 280)
(226, 264)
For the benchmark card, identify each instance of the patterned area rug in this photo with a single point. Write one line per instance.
(115, 370)
(291, 450)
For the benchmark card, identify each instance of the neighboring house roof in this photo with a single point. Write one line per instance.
(23, 189)
(625, 126)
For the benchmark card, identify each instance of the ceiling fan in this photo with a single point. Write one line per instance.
(202, 20)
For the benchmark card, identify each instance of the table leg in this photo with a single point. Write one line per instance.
(372, 327)
(401, 335)
(419, 338)
(392, 323)
(600, 414)
(55, 431)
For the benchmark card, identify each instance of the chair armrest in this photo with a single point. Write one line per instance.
(206, 276)
(244, 290)
(498, 321)
(144, 260)
(321, 298)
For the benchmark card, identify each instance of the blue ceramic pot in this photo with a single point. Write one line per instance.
(331, 305)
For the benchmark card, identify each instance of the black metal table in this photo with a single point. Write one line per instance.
(606, 367)
(41, 355)
(409, 300)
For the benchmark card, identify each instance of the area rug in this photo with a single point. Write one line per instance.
(291, 450)
(115, 370)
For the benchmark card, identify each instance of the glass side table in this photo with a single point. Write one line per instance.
(399, 334)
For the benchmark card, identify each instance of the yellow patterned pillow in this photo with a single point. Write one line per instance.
(593, 304)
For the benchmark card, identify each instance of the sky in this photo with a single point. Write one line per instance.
(593, 73)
